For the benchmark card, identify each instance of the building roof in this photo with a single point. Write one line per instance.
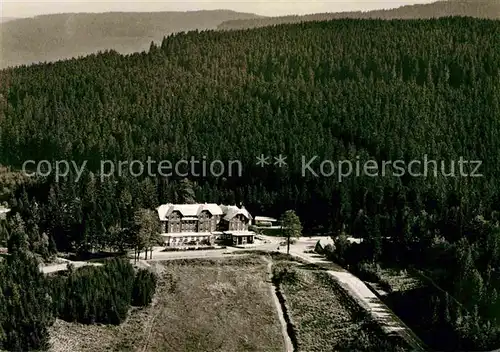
(187, 210)
(213, 208)
(194, 210)
(230, 211)
(265, 218)
(184, 209)
(162, 211)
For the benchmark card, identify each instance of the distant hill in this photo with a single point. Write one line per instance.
(60, 36)
(467, 8)
(6, 19)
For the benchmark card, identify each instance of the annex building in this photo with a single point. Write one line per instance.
(203, 224)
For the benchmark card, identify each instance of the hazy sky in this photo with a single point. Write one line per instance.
(21, 8)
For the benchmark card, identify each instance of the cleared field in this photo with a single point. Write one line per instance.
(72, 337)
(201, 305)
(216, 305)
(324, 317)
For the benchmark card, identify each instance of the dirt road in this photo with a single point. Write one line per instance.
(359, 291)
(60, 267)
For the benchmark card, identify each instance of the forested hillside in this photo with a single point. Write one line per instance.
(61, 36)
(444, 8)
(399, 90)
(346, 89)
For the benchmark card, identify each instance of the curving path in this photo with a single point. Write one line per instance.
(360, 292)
(60, 267)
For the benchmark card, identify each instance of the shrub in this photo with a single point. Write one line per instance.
(95, 294)
(318, 248)
(367, 272)
(329, 252)
(25, 313)
(144, 288)
(386, 286)
(284, 274)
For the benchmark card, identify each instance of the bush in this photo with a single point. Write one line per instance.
(271, 232)
(95, 294)
(329, 252)
(373, 273)
(284, 274)
(25, 313)
(386, 286)
(318, 248)
(144, 288)
(367, 272)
